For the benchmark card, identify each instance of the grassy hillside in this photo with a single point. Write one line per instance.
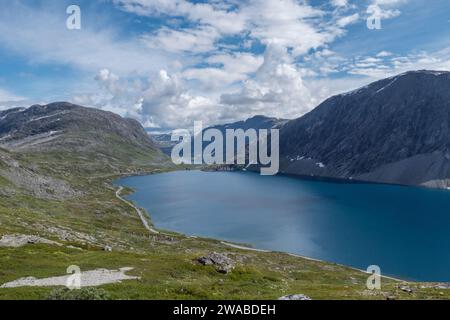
(68, 197)
(95, 218)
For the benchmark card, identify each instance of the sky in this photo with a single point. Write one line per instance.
(168, 63)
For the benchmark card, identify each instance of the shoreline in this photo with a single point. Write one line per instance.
(243, 247)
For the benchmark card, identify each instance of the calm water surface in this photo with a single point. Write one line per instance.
(403, 230)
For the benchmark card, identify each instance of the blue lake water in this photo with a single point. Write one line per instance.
(403, 230)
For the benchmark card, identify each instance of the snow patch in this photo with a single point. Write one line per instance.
(320, 165)
(49, 116)
(388, 85)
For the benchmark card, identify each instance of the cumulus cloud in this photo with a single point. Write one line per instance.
(224, 69)
(236, 83)
(293, 24)
(277, 89)
(160, 101)
(214, 61)
(339, 3)
(385, 9)
(9, 100)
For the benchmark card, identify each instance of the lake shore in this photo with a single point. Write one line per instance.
(257, 248)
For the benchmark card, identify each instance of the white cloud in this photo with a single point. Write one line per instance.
(339, 3)
(228, 69)
(277, 89)
(384, 54)
(161, 101)
(290, 23)
(9, 100)
(8, 96)
(287, 23)
(196, 40)
(43, 38)
(212, 14)
(385, 9)
(347, 20)
(180, 72)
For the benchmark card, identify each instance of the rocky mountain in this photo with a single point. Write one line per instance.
(392, 131)
(77, 134)
(164, 142)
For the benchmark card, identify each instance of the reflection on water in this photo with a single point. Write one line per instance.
(403, 230)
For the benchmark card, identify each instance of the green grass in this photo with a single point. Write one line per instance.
(173, 274)
(167, 270)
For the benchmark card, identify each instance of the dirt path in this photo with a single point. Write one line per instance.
(231, 245)
(139, 212)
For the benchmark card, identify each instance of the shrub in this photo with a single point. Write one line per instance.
(80, 294)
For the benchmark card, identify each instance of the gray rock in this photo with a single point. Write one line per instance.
(222, 263)
(295, 297)
(405, 288)
(19, 240)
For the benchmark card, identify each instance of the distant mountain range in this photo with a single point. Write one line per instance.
(392, 131)
(163, 141)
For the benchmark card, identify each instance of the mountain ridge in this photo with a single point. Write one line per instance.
(394, 130)
(256, 122)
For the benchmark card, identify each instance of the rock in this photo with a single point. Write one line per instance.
(107, 249)
(406, 289)
(222, 263)
(161, 238)
(19, 240)
(90, 278)
(295, 297)
(436, 286)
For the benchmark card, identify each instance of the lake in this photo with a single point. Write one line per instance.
(404, 230)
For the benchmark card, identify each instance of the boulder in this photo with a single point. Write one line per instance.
(222, 263)
(295, 297)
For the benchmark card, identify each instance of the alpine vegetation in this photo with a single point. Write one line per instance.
(249, 147)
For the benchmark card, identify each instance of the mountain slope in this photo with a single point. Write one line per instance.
(82, 134)
(62, 192)
(392, 131)
(163, 141)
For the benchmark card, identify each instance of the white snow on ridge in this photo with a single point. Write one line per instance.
(9, 113)
(388, 85)
(5, 137)
(320, 164)
(49, 116)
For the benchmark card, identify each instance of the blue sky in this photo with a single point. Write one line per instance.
(169, 63)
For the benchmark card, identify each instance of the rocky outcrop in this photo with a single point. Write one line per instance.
(221, 262)
(295, 297)
(91, 278)
(40, 186)
(20, 240)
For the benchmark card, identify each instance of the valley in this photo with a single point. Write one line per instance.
(62, 190)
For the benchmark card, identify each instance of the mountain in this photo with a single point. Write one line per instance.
(394, 130)
(163, 141)
(78, 135)
(256, 122)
